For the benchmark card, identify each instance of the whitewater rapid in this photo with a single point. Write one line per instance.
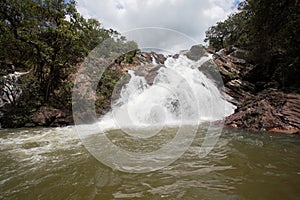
(180, 94)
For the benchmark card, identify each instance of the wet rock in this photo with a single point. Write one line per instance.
(211, 71)
(152, 57)
(196, 52)
(149, 72)
(175, 56)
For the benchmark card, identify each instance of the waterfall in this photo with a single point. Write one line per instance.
(174, 98)
(10, 91)
(180, 94)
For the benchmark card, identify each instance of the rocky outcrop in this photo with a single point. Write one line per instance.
(151, 57)
(237, 91)
(47, 116)
(148, 71)
(260, 105)
(270, 110)
(148, 65)
(232, 71)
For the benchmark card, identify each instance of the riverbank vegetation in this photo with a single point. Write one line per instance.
(264, 35)
(269, 31)
(48, 39)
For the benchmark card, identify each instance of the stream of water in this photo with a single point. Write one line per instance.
(52, 163)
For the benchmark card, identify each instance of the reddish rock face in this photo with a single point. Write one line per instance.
(268, 111)
(260, 106)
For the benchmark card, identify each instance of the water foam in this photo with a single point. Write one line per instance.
(180, 94)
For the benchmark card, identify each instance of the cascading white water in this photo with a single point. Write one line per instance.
(10, 91)
(180, 94)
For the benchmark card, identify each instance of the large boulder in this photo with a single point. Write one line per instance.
(196, 52)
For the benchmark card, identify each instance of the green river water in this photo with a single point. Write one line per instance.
(52, 163)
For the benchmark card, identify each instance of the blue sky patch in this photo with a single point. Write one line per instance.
(235, 3)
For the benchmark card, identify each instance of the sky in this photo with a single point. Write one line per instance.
(190, 18)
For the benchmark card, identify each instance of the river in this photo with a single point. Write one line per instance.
(52, 163)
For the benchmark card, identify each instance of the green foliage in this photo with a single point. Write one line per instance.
(270, 29)
(48, 38)
(230, 32)
(116, 46)
(276, 37)
(19, 113)
(105, 89)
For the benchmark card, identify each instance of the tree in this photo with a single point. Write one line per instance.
(232, 31)
(216, 35)
(276, 38)
(269, 29)
(47, 37)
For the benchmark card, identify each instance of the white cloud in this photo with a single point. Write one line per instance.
(190, 17)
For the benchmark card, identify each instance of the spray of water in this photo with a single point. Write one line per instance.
(180, 96)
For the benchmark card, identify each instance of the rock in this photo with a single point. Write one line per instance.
(260, 105)
(232, 68)
(255, 116)
(239, 53)
(289, 130)
(291, 110)
(152, 57)
(160, 58)
(149, 72)
(238, 90)
(196, 52)
(211, 71)
(221, 52)
(46, 116)
(175, 56)
(270, 110)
